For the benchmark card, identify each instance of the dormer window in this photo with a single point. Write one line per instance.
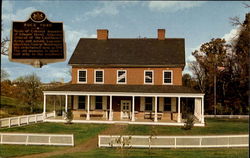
(148, 77)
(82, 76)
(99, 76)
(121, 76)
(167, 77)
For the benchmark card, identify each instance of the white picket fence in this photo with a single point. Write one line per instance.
(227, 116)
(24, 119)
(137, 141)
(37, 139)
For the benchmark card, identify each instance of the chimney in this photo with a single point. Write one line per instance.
(102, 34)
(161, 34)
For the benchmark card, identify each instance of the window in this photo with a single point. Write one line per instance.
(81, 102)
(167, 77)
(82, 76)
(99, 75)
(98, 102)
(167, 104)
(148, 76)
(121, 76)
(148, 104)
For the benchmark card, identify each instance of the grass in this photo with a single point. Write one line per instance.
(83, 132)
(213, 127)
(161, 153)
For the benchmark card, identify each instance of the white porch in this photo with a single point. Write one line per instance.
(136, 115)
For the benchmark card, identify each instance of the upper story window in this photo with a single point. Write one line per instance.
(148, 77)
(98, 102)
(82, 76)
(167, 77)
(122, 76)
(99, 76)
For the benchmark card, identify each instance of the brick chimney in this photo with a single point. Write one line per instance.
(161, 34)
(102, 34)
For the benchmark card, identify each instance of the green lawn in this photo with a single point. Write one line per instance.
(83, 132)
(161, 153)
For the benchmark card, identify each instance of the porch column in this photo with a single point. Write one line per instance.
(87, 118)
(202, 110)
(110, 109)
(44, 106)
(133, 108)
(155, 110)
(179, 110)
(66, 103)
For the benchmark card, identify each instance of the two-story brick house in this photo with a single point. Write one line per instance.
(137, 81)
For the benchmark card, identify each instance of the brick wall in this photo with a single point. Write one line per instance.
(135, 76)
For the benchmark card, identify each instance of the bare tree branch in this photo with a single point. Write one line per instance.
(4, 46)
(235, 21)
(246, 5)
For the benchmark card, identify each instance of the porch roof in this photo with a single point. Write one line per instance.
(124, 88)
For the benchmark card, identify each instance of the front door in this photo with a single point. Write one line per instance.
(125, 109)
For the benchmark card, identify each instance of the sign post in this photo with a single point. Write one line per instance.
(37, 41)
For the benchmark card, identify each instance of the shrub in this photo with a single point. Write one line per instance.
(189, 123)
(69, 116)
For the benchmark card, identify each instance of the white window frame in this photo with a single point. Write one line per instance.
(171, 77)
(117, 72)
(145, 76)
(102, 77)
(78, 75)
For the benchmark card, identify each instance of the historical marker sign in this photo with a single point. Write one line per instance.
(37, 41)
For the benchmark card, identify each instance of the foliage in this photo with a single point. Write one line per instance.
(189, 123)
(221, 71)
(69, 116)
(30, 90)
(4, 75)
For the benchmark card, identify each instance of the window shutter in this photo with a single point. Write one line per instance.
(142, 103)
(86, 102)
(104, 103)
(173, 104)
(161, 104)
(153, 103)
(92, 103)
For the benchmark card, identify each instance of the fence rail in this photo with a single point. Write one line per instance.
(173, 141)
(226, 116)
(23, 120)
(37, 139)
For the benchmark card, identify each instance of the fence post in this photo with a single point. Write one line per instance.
(175, 142)
(72, 140)
(1, 138)
(49, 140)
(27, 139)
(36, 118)
(99, 141)
(27, 119)
(200, 141)
(9, 122)
(19, 121)
(228, 141)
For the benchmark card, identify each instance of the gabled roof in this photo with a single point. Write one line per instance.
(125, 88)
(130, 52)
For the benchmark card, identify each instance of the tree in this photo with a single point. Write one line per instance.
(31, 92)
(4, 75)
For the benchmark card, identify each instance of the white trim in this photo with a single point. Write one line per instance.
(186, 95)
(78, 75)
(102, 76)
(152, 77)
(171, 77)
(125, 77)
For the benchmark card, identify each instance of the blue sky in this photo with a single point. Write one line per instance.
(196, 21)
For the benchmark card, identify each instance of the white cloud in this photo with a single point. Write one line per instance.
(172, 6)
(232, 35)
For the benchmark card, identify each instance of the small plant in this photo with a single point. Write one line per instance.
(69, 116)
(189, 123)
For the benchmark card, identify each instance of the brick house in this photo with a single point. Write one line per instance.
(135, 81)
